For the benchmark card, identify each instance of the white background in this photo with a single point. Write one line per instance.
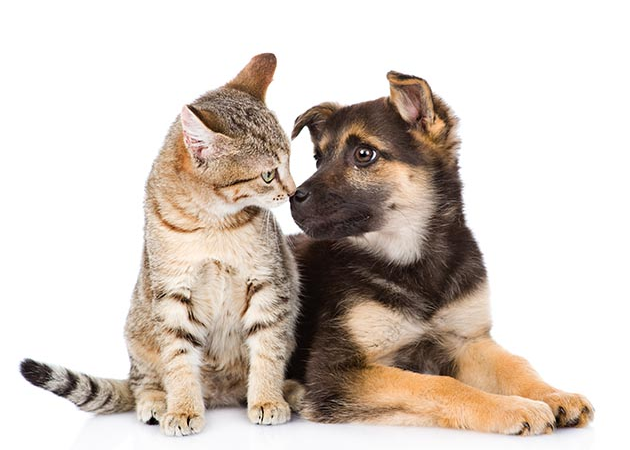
(89, 89)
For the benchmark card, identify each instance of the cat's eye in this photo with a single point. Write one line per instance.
(268, 176)
(364, 156)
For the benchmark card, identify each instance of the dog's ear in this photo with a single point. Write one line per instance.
(314, 119)
(413, 99)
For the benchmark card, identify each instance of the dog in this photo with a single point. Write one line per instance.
(395, 325)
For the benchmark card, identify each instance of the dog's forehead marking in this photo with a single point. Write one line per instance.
(324, 141)
(336, 141)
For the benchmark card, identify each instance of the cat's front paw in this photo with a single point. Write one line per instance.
(182, 424)
(571, 410)
(269, 413)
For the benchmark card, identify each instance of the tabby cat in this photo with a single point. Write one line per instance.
(213, 312)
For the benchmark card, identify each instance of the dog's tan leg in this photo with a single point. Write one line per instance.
(388, 395)
(487, 366)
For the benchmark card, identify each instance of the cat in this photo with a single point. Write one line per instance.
(213, 313)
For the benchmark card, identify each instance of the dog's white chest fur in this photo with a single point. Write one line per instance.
(381, 331)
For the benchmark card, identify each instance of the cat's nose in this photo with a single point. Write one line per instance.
(301, 195)
(287, 180)
(290, 186)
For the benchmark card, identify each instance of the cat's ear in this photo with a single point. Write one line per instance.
(200, 140)
(314, 118)
(255, 78)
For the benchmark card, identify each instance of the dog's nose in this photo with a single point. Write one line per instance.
(301, 195)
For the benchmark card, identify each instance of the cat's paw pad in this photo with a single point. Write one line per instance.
(524, 417)
(269, 413)
(177, 424)
(151, 411)
(571, 410)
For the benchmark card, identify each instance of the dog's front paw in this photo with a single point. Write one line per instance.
(269, 413)
(571, 410)
(182, 424)
(523, 417)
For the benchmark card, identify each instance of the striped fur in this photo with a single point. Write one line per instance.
(88, 393)
(212, 315)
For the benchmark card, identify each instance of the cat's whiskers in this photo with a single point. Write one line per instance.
(200, 236)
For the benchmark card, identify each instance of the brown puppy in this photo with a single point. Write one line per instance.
(396, 323)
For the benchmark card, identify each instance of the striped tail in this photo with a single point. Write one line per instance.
(97, 395)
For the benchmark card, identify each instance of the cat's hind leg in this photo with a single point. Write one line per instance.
(293, 392)
(149, 394)
(151, 406)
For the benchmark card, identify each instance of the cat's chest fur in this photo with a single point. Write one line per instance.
(222, 266)
(241, 252)
(221, 294)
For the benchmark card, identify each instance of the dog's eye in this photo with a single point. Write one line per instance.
(318, 157)
(268, 176)
(364, 156)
